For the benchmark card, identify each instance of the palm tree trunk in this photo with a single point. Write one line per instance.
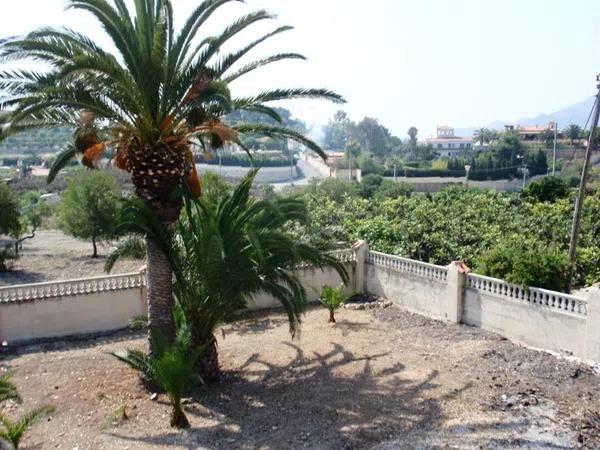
(160, 297)
(331, 316)
(178, 418)
(209, 362)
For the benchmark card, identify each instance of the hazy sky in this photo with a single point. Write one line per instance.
(419, 62)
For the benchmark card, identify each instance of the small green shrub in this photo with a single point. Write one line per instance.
(333, 299)
(547, 189)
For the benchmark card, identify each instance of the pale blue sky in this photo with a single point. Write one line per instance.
(419, 62)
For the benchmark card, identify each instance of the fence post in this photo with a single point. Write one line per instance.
(455, 291)
(143, 290)
(591, 344)
(361, 255)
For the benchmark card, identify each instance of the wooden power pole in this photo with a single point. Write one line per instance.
(582, 185)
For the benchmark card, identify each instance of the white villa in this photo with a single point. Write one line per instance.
(448, 145)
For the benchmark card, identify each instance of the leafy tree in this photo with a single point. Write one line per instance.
(412, 135)
(333, 299)
(145, 99)
(9, 205)
(373, 136)
(89, 207)
(10, 222)
(338, 131)
(369, 185)
(526, 263)
(33, 211)
(171, 366)
(547, 137)
(547, 189)
(573, 132)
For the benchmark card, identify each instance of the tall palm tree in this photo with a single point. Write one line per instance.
(145, 100)
(573, 132)
(227, 252)
(482, 135)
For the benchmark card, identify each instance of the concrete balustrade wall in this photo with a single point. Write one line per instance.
(100, 304)
(535, 317)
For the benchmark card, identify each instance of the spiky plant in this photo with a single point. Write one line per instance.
(171, 366)
(146, 101)
(132, 247)
(227, 252)
(333, 299)
(8, 391)
(11, 432)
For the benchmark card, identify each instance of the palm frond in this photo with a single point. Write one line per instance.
(131, 247)
(62, 159)
(8, 391)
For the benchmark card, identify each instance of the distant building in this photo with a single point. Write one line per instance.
(448, 145)
(531, 133)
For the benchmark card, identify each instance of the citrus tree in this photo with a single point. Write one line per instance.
(146, 100)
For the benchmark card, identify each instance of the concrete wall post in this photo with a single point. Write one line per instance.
(455, 291)
(144, 290)
(591, 343)
(361, 256)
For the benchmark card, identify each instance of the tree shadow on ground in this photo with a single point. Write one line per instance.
(71, 343)
(335, 399)
(12, 277)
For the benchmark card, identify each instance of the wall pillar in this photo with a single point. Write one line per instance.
(591, 343)
(455, 291)
(361, 256)
(144, 290)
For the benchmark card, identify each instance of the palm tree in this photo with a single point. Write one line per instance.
(171, 367)
(144, 101)
(228, 252)
(12, 432)
(573, 132)
(482, 135)
(333, 299)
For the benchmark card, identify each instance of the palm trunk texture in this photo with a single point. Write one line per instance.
(160, 297)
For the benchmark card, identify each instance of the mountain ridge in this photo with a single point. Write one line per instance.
(577, 113)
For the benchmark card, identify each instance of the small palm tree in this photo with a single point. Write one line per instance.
(146, 101)
(171, 366)
(12, 432)
(482, 135)
(333, 299)
(8, 391)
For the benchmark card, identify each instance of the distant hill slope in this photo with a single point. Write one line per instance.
(37, 141)
(577, 113)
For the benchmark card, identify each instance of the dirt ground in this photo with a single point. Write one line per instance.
(382, 379)
(52, 255)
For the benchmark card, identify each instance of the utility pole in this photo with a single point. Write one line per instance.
(554, 150)
(525, 170)
(581, 192)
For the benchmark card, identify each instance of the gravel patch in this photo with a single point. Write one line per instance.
(381, 378)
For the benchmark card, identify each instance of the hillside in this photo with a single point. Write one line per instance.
(576, 113)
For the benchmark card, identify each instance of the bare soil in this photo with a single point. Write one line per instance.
(382, 379)
(52, 255)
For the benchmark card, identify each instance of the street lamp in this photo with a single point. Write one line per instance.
(467, 169)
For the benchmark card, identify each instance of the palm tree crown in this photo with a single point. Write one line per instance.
(148, 100)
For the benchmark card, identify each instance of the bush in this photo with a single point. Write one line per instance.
(548, 189)
(526, 263)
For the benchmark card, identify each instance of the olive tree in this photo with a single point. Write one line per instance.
(89, 207)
